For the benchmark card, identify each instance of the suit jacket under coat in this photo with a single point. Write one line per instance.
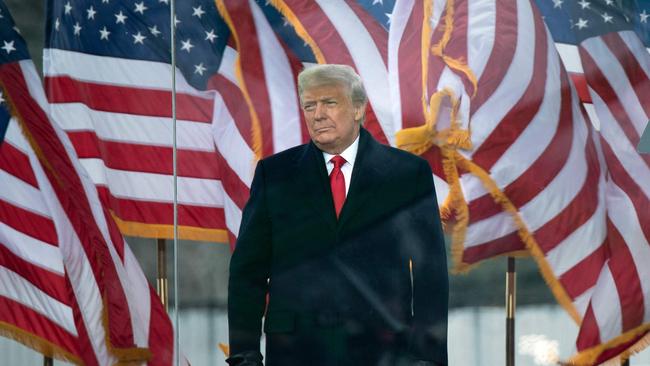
(352, 272)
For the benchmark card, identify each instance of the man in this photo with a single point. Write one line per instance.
(343, 234)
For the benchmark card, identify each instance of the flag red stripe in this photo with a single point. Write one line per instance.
(30, 321)
(253, 68)
(504, 244)
(626, 278)
(622, 178)
(144, 158)
(161, 334)
(598, 82)
(615, 351)
(633, 70)
(16, 163)
(129, 100)
(531, 183)
(148, 212)
(589, 334)
(410, 71)
(584, 274)
(64, 180)
(523, 112)
(47, 281)
(232, 184)
(28, 223)
(581, 86)
(505, 34)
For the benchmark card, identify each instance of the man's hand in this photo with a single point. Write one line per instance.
(248, 358)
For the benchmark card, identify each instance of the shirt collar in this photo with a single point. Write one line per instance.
(349, 154)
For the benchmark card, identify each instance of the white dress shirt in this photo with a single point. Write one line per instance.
(349, 154)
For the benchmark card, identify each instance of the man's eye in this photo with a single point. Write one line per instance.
(308, 108)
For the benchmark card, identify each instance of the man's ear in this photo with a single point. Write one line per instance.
(359, 111)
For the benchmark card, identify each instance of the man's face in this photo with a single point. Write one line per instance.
(332, 120)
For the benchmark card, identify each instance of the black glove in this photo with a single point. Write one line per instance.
(248, 358)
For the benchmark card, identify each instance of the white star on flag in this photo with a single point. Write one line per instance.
(91, 12)
(199, 69)
(104, 33)
(120, 18)
(8, 47)
(198, 11)
(138, 38)
(187, 45)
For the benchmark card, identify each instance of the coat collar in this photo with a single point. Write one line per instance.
(311, 175)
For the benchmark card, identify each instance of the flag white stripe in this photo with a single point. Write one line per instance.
(14, 136)
(532, 142)
(227, 66)
(130, 128)
(624, 151)
(15, 287)
(367, 59)
(481, 21)
(514, 83)
(155, 187)
(399, 20)
(115, 71)
(44, 255)
(79, 270)
(21, 194)
(617, 79)
(623, 215)
(279, 84)
(139, 299)
(581, 302)
(231, 144)
(580, 243)
(607, 310)
(233, 215)
(570, 57)
(637, 48)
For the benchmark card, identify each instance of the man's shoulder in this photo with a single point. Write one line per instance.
(401, 157)
(286, 156)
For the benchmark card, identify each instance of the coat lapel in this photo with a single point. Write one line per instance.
(310, 176)
(367, 177)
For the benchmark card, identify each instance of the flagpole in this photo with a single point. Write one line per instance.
(161, 280)
(175, 179)
(48, 361)
(511, 284)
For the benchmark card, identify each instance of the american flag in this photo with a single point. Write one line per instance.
(108, 80)
(69, 285)
(604, 43)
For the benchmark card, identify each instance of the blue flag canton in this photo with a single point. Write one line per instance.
(12, 46)
(140, 30)
(380, 10)
(573, 21)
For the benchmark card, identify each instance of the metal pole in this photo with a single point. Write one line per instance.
(511, 284)
(48, 361)
(626, 362)
(161, 280)
(175, 178)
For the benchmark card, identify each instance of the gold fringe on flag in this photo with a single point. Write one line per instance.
(162, 231)
(38, 344)
(256, 128)
(588, 357)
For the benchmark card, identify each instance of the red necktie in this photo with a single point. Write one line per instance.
(337, 182)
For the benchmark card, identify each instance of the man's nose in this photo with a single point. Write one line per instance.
(319, 113)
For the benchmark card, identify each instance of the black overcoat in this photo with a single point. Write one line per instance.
(340, 292)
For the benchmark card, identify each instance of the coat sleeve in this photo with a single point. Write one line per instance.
(428, 338)
(249, 270)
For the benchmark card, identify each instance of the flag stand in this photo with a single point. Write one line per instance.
(511, 285)
(161, 279)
